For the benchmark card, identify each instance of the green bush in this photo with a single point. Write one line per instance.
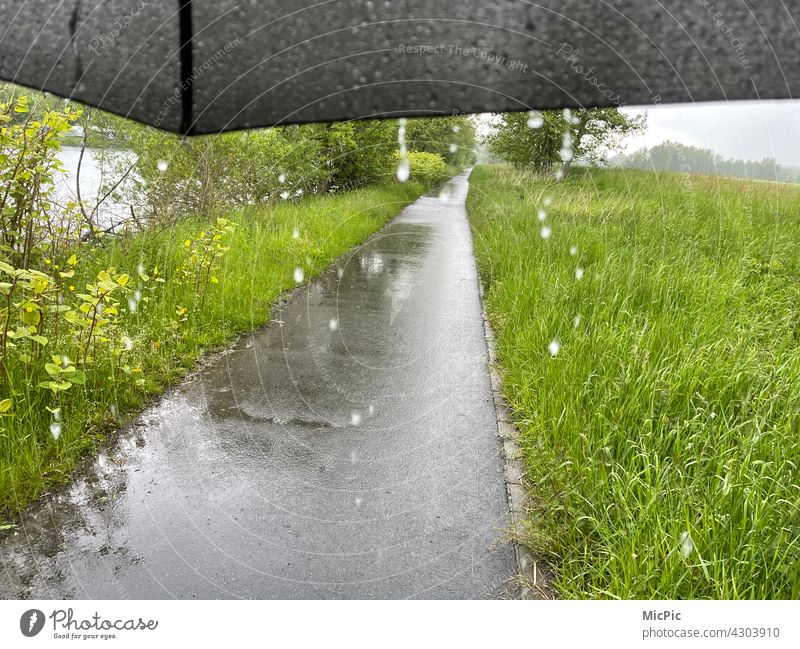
(426, 168)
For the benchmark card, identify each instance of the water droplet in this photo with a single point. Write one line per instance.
(573, 250)
(565, 153)
(140, 269)
(57, 414)
(355, 418)
(547, 201)
(554, 347)
(55, 430)
(456, 128)
(576, 321)
(299, 275)
(358, 502)
(545, 232)
(162, 165)
(282, 178)
(403, 171)
(559, 174)
(333, 324)
(567, 114)
(127, 342)
(295, 233)
(132, 305)
(353, 457)
(453, 148)
(541, 214)
(579, 273)
(535, 119)
(137, 295)
(339, 272)
(371, 409)
(686, 543)
(284, 195)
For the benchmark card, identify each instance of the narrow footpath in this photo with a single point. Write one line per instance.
(348, 449)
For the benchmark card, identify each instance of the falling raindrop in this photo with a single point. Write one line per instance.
(567, 114)
(453, 148)
(554, 347)
(339, 272)
(55, 430)
(140, 269)
(545, 232)
(298, 274)
(137, 295)
(127, 342)
(284, 195)
(566, 154)
(535, 119)
(282, 178)
(541, 214)
(355, 418)
(686, 543)
(333, 324)
(353, 457)
(547, 201)
(456, 128)
(358, 502)
(559, 174)
(371, 409)
(162, 165)
(403, 170)
(132, 305)
(573, 250)
(579, 273)
(295, 234)
(576, 321)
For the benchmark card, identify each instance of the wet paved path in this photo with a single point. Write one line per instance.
(347, 451)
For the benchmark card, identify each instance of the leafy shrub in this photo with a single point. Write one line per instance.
(426, 168)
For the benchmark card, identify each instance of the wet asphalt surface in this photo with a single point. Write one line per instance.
(346, 450)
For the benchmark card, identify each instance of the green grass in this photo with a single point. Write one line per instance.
(258, 268)
(673, 404)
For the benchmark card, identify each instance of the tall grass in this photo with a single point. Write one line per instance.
(662, 440)
(166, 336)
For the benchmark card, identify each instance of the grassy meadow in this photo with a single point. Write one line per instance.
(649, 344)
(174, 298)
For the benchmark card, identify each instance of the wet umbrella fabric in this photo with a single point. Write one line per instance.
(202, 67)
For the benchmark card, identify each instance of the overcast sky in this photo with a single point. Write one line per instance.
(750, 130)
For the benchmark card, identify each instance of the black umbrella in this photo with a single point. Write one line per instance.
(203, 66)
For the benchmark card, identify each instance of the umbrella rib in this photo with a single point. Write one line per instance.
(187, 63)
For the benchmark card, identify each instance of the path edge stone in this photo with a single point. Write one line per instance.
(535, 576)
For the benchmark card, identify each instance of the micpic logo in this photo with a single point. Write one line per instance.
(31, 622)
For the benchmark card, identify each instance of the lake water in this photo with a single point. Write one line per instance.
(93, 174)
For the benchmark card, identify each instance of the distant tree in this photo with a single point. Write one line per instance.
(452, 137)
(540, 141)
(674, 156)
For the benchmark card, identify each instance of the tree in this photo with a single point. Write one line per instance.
(452, 137)
(541, 141)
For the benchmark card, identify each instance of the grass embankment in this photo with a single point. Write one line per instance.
(662, 441)
(169, 329)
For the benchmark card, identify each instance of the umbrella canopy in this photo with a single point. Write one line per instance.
(210, 66)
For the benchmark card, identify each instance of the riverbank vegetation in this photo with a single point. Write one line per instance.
(647, 331)
(97, 316)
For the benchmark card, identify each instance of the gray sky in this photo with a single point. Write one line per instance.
(750, 130)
